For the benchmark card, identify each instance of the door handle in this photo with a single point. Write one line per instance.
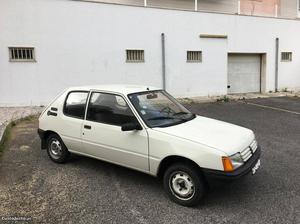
(50, 113)
(87, 127)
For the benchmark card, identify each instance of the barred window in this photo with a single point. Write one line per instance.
(194, 56)
(21, 54)
(286, 56)
(135, 56)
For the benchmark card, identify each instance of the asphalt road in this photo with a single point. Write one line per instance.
(89, 191)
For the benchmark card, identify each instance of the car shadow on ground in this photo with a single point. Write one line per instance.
(106, 167)
(218, 191)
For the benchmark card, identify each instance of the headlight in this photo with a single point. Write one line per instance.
(232, 162)
(236, 160)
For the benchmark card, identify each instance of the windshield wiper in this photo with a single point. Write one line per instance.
(160, 118)
(181, 113)
(185, 113)
(172, 118)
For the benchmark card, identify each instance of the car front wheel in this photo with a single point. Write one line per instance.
(56, 149)
(184, 184)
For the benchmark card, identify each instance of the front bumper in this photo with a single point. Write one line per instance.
(241, 171)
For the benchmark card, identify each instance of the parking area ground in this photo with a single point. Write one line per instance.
(89, 191)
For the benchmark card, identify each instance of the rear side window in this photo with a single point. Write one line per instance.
(75, 104)
(109, 109)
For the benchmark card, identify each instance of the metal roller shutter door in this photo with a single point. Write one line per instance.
(244, 73)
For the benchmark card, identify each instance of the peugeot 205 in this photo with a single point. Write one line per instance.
(146, 129)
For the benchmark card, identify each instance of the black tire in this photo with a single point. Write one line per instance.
(62, 152)
(180, 174)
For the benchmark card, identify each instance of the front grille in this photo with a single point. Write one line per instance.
(253, 146)
(249, 151)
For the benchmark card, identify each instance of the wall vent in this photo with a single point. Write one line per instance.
(135, 56)
(194, 56)
(286, 56)
(21, 54)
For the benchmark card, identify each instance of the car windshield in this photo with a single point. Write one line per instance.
(159, 109)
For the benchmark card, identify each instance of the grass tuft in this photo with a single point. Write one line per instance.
(6, 136)
(223, 99)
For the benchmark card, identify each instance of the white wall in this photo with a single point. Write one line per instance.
(81, 43)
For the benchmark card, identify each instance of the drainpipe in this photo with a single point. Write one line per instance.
(276, 63)
(163, 61)
(145, 3)
(196, 5)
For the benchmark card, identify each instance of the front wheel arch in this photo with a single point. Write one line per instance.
(169, 160)
(184, 184)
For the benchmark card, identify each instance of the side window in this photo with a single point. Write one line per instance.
(109, 109)
(75, 104)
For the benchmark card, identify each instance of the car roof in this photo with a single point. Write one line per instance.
(116, 88)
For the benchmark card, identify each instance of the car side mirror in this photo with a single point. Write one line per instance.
(131, 127)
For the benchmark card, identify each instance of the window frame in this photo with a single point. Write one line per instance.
(65, 103)
(12, 48)
(115, 94)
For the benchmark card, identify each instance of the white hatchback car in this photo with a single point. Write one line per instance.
(146, 129)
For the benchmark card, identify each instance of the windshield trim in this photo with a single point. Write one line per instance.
(170, 98)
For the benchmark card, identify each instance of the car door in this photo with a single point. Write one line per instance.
(103, 138)
(72, 118)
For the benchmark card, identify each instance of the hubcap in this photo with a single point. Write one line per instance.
(182, 185)
(55, 149)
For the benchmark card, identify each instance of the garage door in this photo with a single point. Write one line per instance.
(244, 73)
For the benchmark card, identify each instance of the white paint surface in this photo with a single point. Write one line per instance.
(244, 73)
(79, 43)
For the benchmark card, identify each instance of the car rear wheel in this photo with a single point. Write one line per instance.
(184, 184)
(56, 149)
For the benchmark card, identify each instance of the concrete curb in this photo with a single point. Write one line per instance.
(236, 97)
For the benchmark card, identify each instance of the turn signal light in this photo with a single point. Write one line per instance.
(227, 164)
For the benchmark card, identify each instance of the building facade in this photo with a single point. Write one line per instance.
(212, 47)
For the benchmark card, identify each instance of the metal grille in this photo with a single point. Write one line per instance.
(286, 56)
(249, 151)
(135, 56)
(253, 146)
(21, 54)
(194, 56)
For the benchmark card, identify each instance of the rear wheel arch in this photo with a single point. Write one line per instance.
(46, 136)
(56, 149)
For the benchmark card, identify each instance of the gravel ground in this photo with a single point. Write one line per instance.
(89, 191)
